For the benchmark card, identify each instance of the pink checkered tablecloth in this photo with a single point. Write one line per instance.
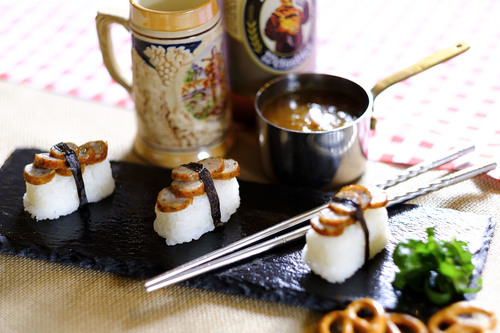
(52, 45)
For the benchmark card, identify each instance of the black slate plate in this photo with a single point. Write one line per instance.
(118, 237)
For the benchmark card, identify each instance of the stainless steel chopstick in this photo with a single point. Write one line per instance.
(426, 166)
(297, 220)
(298, 233)
(439, 183)
(289, 223)
(165, 278)
(232, 258)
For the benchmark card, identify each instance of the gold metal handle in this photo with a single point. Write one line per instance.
(104, 20)
(419, 67)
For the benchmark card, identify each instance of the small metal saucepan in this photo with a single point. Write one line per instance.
(326, 159)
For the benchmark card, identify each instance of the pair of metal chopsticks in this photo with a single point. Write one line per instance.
(261, 242)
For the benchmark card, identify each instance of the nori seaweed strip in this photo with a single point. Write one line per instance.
(76, 170)
(213, 197)
(361, 219)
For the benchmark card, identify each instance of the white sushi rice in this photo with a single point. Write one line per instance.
(337, 258)
(195, 220)
(59, 196)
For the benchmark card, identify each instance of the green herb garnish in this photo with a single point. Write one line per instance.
(439, 269)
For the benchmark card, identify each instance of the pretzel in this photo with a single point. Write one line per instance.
(462, 317)
(400, 322)
(350, 320)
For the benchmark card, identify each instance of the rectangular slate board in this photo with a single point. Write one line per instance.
(117, 236)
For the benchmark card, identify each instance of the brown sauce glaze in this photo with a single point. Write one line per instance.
(311, 110)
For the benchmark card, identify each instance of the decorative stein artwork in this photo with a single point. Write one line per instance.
(180, 99)
(179, 78)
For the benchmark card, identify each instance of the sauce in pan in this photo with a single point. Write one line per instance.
(311, 110)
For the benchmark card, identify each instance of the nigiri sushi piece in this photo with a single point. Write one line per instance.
(202, 196)
(352, 230)
(68, 177)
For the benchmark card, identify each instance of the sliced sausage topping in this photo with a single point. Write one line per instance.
(357, 193)
(37, 176)
(379, 197)
(188, 189)
(168, 202)
(333, 219)
(343, 206)
(56, 152)
(214, 165)
(86, 154)
(231, 170)
(323, 229)
(93, 152)
(45, 161)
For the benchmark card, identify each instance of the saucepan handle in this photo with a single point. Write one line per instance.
(419, 67)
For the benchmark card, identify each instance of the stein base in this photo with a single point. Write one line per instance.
(172, 159)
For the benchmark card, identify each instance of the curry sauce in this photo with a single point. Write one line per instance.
(311, 110)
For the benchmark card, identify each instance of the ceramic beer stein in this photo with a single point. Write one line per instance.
(178, 79)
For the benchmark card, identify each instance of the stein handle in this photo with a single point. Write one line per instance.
(104, 19)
